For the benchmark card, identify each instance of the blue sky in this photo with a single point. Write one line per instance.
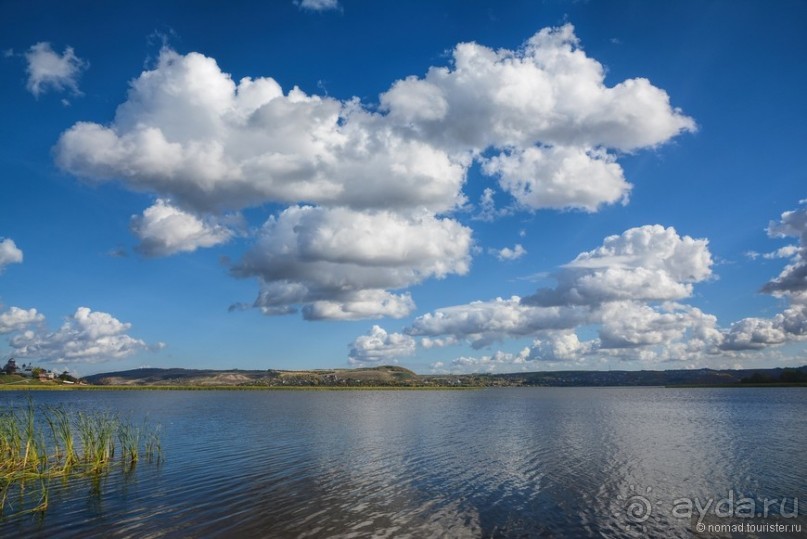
(452, 186)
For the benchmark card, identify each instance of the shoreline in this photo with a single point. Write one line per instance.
(234, 388)
(18, 388)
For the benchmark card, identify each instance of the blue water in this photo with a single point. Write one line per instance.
(537, 462)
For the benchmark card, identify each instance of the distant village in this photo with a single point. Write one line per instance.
(36, 373)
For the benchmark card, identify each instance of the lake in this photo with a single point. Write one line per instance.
(515, 462)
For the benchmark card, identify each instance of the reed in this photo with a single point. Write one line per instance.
(152, 448)
(38, 444)
(97, 434)
(129, 437)
(61, 428)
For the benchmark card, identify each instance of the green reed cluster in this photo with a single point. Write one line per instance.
(38, 444)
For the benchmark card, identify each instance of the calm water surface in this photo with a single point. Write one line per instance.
(542, 462)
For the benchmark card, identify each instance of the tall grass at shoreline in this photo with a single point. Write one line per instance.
(39, 444)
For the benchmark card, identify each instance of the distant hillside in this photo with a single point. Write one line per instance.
(386, 375)
(399, 376)
(656, 378)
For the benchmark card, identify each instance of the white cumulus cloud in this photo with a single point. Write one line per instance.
(85, 337)
(498, 361)
(379, 346)
(317, 5)
(787, 251)
(191, 133)
(754, 334)
(9, 253)
(340, 263)
(16, 319)
(628, 324)
(621, 288)
(47, 69)
(792, 281)
(560, 346)
(560, 177)
(791, 284)
(548, 92)
(484, 322)
(487, 210)
(164, 229)
(548, 112)
(644, 263)
(507, 253)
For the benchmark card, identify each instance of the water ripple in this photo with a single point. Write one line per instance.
(496, 463)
